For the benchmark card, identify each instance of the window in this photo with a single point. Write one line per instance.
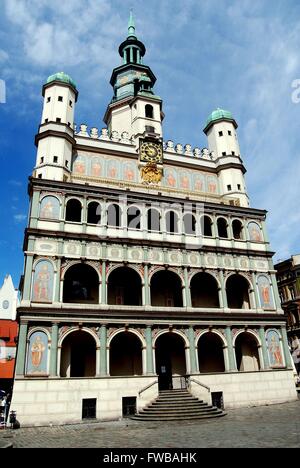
(48, 99)
(58, 120)
(67, 163)
(60, 98)
(229, 132)
(239, 186)
(70, 103)
(46, 120)
(89, 408)
(229, 187)
(42, 160)
(55, 159)
(149, 111)
(39, 176)
(233, 153)
(129, 406)
(220, 134)
(224, 153)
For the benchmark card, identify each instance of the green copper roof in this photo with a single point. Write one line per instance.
(219, 114)
(61, 76)
(131, 26)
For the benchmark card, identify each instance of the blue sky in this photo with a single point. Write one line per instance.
(242, 55)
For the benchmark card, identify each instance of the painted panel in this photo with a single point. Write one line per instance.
(185, 180)
(265, 292)
(96, 167)
(37, 354)
(79, 165)
(170, 178)
(274, 349)
(212, 184)
(199, 182)
(50, 208)
(42, 290)
(129, 172)
(113, 169)
(254, 232)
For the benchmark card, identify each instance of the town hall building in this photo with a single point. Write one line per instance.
(146, 269)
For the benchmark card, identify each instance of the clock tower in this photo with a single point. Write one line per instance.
(134, 108)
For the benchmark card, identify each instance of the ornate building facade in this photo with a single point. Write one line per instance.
(143, 263)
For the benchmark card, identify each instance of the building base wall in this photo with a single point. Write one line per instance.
(59, 401)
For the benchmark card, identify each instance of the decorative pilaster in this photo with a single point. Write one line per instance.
(146, 286)
(187, 288)
(27, 278)
(264, 347)
(286, 350)
(103, 352)
(193, 361)
(34, 214)
(103, 285)
(53, 351)
(257, 301)
(231, 354)
(22, 342)
(149, 350)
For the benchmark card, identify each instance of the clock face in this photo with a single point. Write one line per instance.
(151, 152)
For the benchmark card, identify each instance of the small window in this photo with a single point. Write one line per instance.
(70, 103)
(67, 163)
(89, 408)
(239, 186)
(46, 120)
(42, 160)
(149, 111)
(220, 134)
(229, 132)
(60, 98)
(55, 159)
(48, 99)
(128, 406)
(39, 176)
(69, 125)
(150, 129)
(58, 120)
(233, 153)
(229, 187)
(224, 153)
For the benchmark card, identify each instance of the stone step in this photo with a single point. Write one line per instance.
(177, 411)
(189, 404)
(144, 418)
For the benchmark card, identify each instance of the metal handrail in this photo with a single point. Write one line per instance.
(201, 384)
(148, 386)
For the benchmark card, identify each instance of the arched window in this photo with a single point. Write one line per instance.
(237, 228)
(114, 214)
(204, 291)
(73, 211)
(206, 226)
(222, 228)
(133, 217)
(189, 222)
(125, 355)
(246, 350)
(237, 288)
(172, 222)
(153, 220)
(210, 353)
(94, 213)
(81, 285)
(78, 355)
(149, 111)
(166, 289)
(124, 287)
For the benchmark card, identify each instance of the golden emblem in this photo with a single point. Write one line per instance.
(151, 174)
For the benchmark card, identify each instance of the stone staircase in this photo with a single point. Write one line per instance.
(172, 405)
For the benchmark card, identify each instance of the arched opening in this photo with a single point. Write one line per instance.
(114, 214)
(73, 211)
(149, 111)
(237, 288)
(210, 353)
(170, 359)
(94, 213)
(189, 222)
(204, 291)
(78, 355)
(133, 217)
(124, 287)
(153, 220)
(172, 222)
(222, 228)
(166, 289)
(125, 355)
(206, 226)
(81, 285)
(237, 228)
(246, 351)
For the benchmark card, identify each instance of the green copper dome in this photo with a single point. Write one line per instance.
(63, 77)
(219, 114)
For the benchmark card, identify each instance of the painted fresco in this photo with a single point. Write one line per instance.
(184, 180)
(274, 349)
(199, 182)
(96, 167)
(79, 165)
(254, 232)
(265, 292)
(50, 208)
(129, 171)
(113, 171)
(170, 178)
(37, 354)
(42, 290)
(212, 184)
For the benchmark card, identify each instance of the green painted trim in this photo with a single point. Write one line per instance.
(22, 342)
(187, 289)
(57, 285)
(149, 351)
(53, 351)
(103, 351)
(262, 337)
(27, 277)
(286, 350)
(257, 301)
(224, 295)
(146, 286)
(191, 337)
(231, 355)
(103, 283)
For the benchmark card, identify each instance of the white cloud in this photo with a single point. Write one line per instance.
(19, 218)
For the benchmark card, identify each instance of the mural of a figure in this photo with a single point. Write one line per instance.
(184, 181)
(265, 294)
(274, 349)
(37, 353)
(254, 232)
(43, 282)
(112, 170)
(79, 166)
(212, 184)
(199, 183)
(49, 208)
(170, 179)
(129, 172)
(96, 168)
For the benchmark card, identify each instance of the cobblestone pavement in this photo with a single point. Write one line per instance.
(267, 426)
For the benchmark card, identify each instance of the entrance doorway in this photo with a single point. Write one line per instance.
(170, 359)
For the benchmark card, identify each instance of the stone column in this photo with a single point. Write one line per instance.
(257, 301)
(149, 350)
(22, 344)
(286, 350)
(193, 360)
(262, 337)
(223, 290)
(146, 286)
(84, 215)
(103, 284)
(34, 212)
(53, 351)
(27, 278)
(57, 284)
(188, 298)
(103, 351)
(231, 354)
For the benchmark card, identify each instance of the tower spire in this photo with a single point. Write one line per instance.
(131, 25)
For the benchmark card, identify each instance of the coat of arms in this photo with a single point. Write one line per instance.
(151, 174)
